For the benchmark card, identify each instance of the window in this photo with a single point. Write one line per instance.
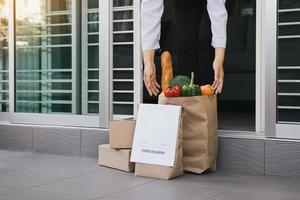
(4, 75)
(123, 59)
(288, 62)
(60, 65)
(46, 76)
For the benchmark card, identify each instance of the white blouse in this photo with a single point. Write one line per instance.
(152, 10)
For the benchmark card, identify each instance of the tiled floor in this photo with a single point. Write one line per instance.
(32, 176)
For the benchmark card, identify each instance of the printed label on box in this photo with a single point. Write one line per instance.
(156, 134)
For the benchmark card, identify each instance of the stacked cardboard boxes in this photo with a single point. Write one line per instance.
(117, 153)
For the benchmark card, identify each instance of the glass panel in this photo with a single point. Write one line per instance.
(289, 4)
(123, 14)
(123, 56)
(119, 3)
(44, 70)
(123, 26)
(123, 96)
(123, 109)
(93, 4)
(123, 86)
(123, 37)
(288, 61)
(4, 76)
(237, 109)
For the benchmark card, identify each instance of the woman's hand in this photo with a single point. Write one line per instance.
(150, 79)
(219, 70)
(150, 73)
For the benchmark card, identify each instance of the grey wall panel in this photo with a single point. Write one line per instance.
(14, 137)
(65, 141)
(90, 139)
(243, 155)
(282, 158)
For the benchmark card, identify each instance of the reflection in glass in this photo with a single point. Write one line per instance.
(4, 75)
(44, 68)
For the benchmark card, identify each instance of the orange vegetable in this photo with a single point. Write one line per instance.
(167, 70)
(207, 90)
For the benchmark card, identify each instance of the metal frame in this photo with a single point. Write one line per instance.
(75, 56)
(84, 53)
(105, 62)
(137, 52)
(11, 53)
(269, 52)
(260, 72)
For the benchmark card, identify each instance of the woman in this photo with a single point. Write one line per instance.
(188, 16)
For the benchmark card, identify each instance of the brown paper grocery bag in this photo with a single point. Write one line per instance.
(163, 172)
(200, 139)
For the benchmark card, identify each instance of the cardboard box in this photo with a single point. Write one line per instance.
(117, 159)
(121, 134)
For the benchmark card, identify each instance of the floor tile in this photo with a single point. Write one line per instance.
(95, 184)
(167, 191)
(33, 177)
(220, 180)
(75, 164)
(273, 185)
(243, 195)
(42, 195)
(8, 161)
(29, 159)
(6, 189)
(107, 198)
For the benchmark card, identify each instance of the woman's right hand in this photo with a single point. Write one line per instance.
(150, 73)
(150, 79)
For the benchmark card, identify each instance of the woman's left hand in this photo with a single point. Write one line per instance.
(219, 77)
(219, 70)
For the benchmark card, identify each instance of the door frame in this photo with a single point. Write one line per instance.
(270, 44)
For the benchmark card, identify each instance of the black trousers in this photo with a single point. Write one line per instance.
(194, 36)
